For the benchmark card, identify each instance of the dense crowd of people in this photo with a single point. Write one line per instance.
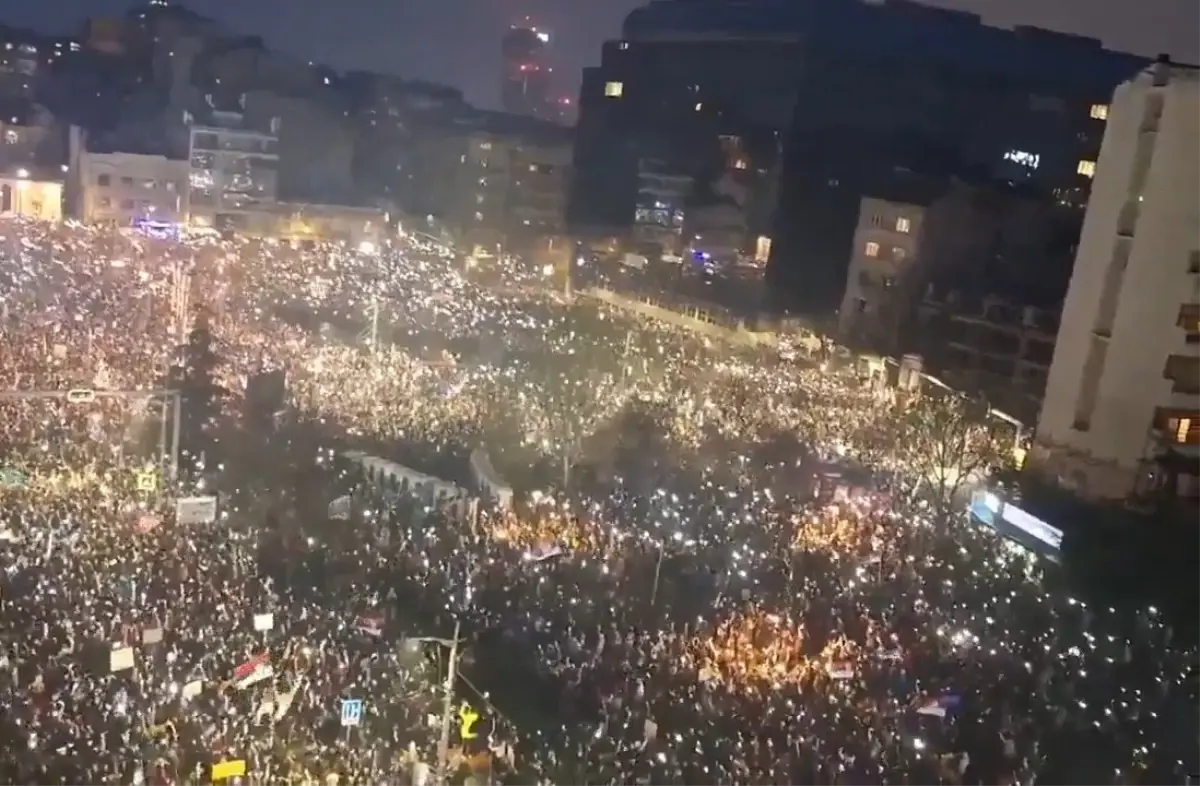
(725, 567)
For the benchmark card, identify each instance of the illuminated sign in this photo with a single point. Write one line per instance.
(1016, 524)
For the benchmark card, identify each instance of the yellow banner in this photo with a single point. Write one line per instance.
(228, 769)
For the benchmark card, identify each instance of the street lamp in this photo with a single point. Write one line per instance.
(439, 778)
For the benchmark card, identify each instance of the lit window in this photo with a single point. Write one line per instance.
(699, 105)
(903, 225)
(872, 249)
(1100, 111)
(623, 45)
(614, 89)
(479, 216)
(1023, 158)
(1086, 168)
(485, 145)
(739, 163)
(1181, 431)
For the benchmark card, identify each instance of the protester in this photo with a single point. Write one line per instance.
(706, 609)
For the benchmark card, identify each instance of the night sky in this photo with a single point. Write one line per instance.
(457, 41)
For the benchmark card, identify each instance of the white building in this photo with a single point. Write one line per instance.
(885, 247)
(122, 187)
(1122, 407)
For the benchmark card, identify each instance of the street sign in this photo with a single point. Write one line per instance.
(147, 480)
(352, 710)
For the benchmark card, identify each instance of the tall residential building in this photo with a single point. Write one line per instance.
(232, 170)
(525, 89)
(859, 92)
(509, 178)
(1122, 407)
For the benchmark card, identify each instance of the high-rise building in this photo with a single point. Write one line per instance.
(1122, 406)
(525, 89)
(858, 92)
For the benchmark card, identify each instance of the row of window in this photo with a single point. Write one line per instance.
(105, 180)
(142, 205)
(872, 250)
(902, 225)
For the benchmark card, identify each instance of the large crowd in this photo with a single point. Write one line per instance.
(723, 566)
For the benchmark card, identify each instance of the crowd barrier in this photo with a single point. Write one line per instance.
(490, 483)
(407, 480)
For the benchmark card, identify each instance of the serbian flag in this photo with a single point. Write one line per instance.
(370, 625)
(937, 706)
(253, 671)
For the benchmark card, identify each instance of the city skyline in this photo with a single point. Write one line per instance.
(429, 39)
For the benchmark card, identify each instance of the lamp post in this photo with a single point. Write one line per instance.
(439, 778)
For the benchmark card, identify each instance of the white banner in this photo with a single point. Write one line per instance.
(196, 510)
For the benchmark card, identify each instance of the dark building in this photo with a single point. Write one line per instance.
(525, 89)
(860, 93)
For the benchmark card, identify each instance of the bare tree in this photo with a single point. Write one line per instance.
(951, 443)
(572, 406)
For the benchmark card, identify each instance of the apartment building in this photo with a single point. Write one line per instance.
(1122, 408)
(122, 188)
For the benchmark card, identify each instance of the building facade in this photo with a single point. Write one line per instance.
(233, 170)
(122, 188)
(659, 212)
(885, 249)
(21, 195)
(1122, 407)
(510, 177)
(364, 227)
(854, 103)
(525, 74)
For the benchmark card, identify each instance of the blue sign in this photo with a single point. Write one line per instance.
(352, 710)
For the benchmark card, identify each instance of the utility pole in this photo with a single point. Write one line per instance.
(625, 357)
(447, 711)
(375, 325)
(371, 334)
(443, 760)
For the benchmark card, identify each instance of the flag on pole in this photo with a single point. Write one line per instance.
(253, 671)
(370, 625)
(340, 508)
(937, 706)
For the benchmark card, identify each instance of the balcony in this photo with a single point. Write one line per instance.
(1128, 217)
